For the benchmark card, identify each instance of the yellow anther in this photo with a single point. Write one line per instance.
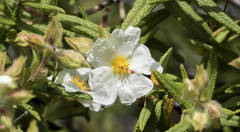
(82, 85)
(120, 65)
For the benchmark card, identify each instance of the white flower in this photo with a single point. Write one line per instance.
(120, 63)
(76, 81)
(6, 81)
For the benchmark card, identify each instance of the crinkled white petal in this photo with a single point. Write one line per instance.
(141, 60)
(133, 87)
(157, 66)
(101, 54)
(91, 105)
(66, 76)
(125, 42)
(6, 80)
(103, 85)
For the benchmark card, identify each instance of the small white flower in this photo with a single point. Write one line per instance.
(120, 63)
(76, 81)
(6, 81)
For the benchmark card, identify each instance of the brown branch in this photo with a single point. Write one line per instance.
(235, 2)
(99, 6)
(105, 18)
(122, 11)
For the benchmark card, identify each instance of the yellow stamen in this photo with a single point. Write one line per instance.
(82, 85)
(120, 65)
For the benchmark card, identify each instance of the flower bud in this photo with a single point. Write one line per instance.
(71, 59)
(19, 97)
(17, 67)
(81, 44)
(53, 35)
(198, 85)
(199, 120)
(235, 63)
(21, 39)
(36, 41)
(214, 109)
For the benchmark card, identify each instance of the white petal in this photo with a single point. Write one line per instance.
(157, 66)
(66, 76)
(141, 60)
(6, 80)
(125, 42)
(101, 54)
(103, 85)
(135, 86)
(91, 105)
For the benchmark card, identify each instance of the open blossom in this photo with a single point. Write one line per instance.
(120, 65)
(76, 81)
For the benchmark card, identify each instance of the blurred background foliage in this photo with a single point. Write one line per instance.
(168, 33)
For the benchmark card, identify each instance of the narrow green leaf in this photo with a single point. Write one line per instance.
(182, 126)
(230, 112)
(165, 58)
(191, 20)
(7, 6)
(212, 69)
(232, 102)
(77, 24)
(183, 72)
(60, 107)
(143, 118)
(158, 109)
(35, 61)
(211, 8)
(33, 126)
(230, 120)
(233, 89)
(61, 90)
(31, 110)
(43, 6)
(152, 20)
(174, 88)
(5, 20)
(140, 10)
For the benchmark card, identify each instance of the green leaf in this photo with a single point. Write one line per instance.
(43, 6)
(140, 10)
(191, 20)
(31, 110)
(212, 69)
(60, 107)
(144, 116)
(77, 24)
(5, 20)
(35, 61)
(33, 126)
(183, 72)
(232, 102)
(158, 109)
(61, 90)
(165, 58)
(174, 88)
(152, 20)
(230, 120)
(230, 112)
(182, 126)
(211, 8)
(233, 89)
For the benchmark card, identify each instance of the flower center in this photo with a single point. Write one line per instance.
(82, 85)
(120, 65)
